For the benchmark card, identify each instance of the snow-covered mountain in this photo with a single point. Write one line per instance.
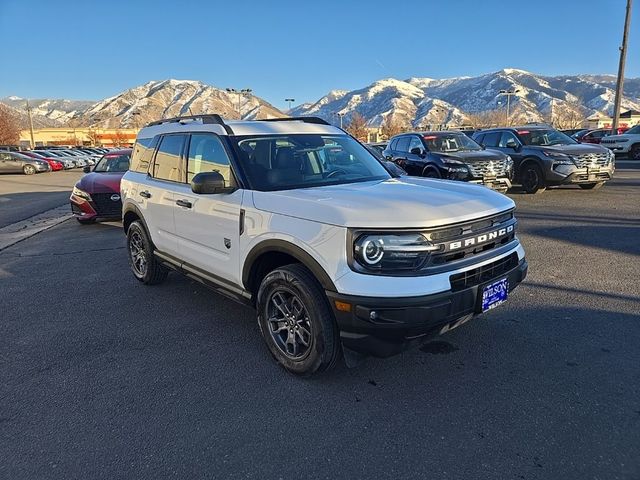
(47, 112)
(170, 98)
(423, 101)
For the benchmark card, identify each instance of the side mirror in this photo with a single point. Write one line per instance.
(209, 183)
(512, 144)
(417, 151)
(87, 169)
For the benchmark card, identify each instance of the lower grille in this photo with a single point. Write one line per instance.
(591, 160)
(483, 274)
(488, 168)
(106, 207)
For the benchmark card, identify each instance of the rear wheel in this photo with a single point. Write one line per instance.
(591, 186)
(532, 179)
(143, 263)
(296, 321)
(634, 153)
(29, 169)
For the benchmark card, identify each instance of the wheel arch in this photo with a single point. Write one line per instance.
(273, 253)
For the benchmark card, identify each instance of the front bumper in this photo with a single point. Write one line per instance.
(500, 184)
(568, 174)
(385, 326)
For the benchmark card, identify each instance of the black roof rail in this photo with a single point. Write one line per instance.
(207, 118)
(316, 120)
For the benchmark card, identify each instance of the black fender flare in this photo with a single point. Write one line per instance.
(283, 246)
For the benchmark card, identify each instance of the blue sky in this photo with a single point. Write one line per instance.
(301, 49)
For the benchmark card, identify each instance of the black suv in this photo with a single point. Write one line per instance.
(545, 157)
(450, 155)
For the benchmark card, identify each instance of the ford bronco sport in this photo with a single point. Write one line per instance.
(296, 218)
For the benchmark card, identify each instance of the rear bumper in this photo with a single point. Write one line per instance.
(385, 326)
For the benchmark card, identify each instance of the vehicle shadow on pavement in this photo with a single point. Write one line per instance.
(621, 239)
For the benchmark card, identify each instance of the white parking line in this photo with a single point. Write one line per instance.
(16, 232)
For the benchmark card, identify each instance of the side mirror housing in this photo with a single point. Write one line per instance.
(87, 169)
(417, 151)
(207, 183)
(513, 145)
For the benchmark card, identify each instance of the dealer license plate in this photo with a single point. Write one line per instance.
(495, 294)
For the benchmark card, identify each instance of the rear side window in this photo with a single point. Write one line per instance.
(168, 164)
(491, 139)
(142, 153)
(403, 144)
(207, 154)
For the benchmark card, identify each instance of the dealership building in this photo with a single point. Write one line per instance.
(68, 136)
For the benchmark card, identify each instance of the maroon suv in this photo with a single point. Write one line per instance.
(97, 195)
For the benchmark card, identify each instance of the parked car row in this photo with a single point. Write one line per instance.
(48, 159)
(534, 156)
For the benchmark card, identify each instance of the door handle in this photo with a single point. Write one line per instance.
(184, 203)
(145, 194)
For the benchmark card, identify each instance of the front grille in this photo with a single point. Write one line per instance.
(488, 168)
(456, 241)
(609, 141)
(106, 207)
(591, 160)
(483, 274)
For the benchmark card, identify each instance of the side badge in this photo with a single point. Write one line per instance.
(227, 242)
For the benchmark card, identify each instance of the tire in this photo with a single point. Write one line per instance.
(143, 263)
(85, 221)
(531, 178)
(29, 169)
(634, 153)
(296, 321)
(591, 186)
(431, 172)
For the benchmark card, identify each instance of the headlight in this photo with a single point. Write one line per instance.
(610, 157)
(509, 162)
(451, 161)
(559, 158)
(80, 193)
(392, 252)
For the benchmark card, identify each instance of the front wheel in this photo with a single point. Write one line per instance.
(431, 172)
(634, 153)
(532, 179)
(29, 169)
(143, 263)
(296, 321)
(591, 186)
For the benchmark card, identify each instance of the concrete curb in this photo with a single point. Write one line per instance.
(16, 232)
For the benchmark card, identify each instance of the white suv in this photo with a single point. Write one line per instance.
(298, 219)
(626, 143)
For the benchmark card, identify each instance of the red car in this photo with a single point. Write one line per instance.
(97, 195)
(55, 164)
(596, 136)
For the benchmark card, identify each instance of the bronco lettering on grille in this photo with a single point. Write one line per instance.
(479, 239)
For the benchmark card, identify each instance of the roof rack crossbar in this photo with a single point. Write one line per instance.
(316, 120)
(207, 118)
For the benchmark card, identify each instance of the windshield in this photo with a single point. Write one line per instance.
(306, 160)
(112, 163)
(544, 137)
(449, 142)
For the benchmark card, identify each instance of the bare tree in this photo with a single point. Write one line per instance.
(94, 138)
(486, 119)
(9, 126)
(391, 127)
(358, 127)
(566, 116)
(119, 138)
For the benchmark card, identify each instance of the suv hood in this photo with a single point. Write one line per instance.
(407, 202)
(473, 156)
(101, 182)
(622, 136)
(579, 149)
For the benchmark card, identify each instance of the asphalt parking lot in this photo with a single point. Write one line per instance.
(102, 377)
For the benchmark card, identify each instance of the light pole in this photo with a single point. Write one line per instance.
(340, 115)
(33, 144)
(509, 94)
(620, 81)
(290, 101)
(241, 93)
